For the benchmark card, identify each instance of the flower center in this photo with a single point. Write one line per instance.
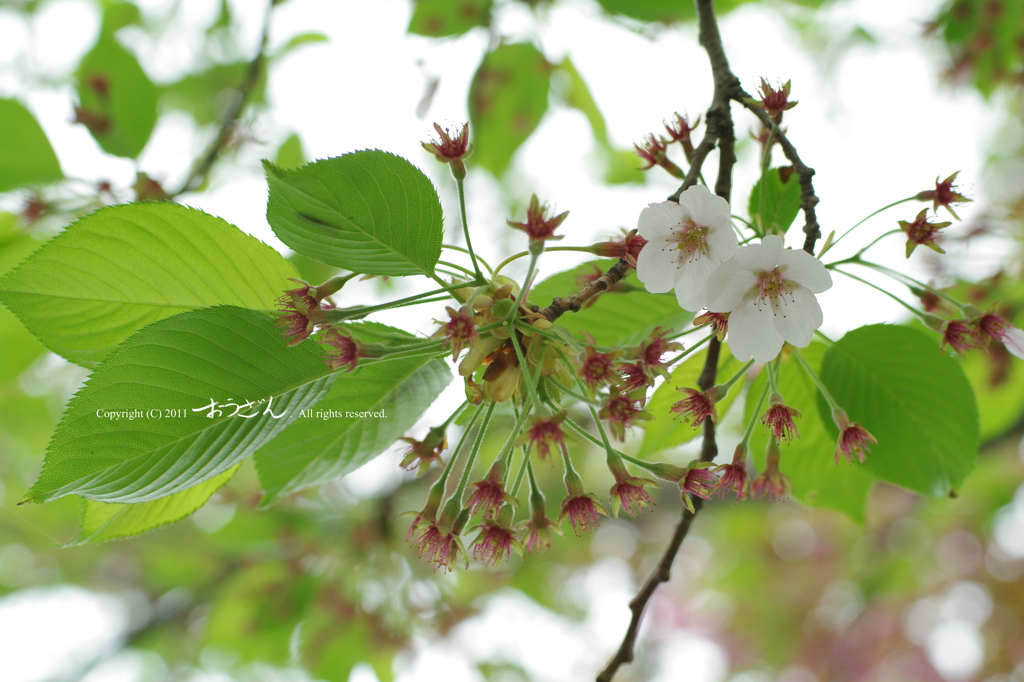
(691, 240)
(771, 286)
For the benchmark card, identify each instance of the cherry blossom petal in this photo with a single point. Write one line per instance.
(1013, 339)
(721, 239)
(803, 268)
(659, 220)
(703, 205)
(760, 257)
(691, 287)
(796, 315)
(653, 267)
(752, 334)
(728, 286)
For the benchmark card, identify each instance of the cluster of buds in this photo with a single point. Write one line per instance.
(496, 351)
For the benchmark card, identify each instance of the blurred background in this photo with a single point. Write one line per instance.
(324, 586)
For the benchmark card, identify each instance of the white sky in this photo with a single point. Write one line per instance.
(877, 127)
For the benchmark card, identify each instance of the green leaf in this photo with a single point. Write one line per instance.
(117, 101)
(998, 384)
(123, 267)
(624, 315)
(666, 430)
(369, 212)
(774, 204)
(290, 153)
(664, 11)
(26, 157)
(176, 385)
(439, 18)
(810, 460)
(914, 400)
(202, 95)
(102, 521)
(507, 99)
(326, 443)
(577, 95)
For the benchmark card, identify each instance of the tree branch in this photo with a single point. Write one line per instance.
(808, 199)
(720, 129)
(205, 163)
(574, 303)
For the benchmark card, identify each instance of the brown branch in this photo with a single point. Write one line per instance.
(205, 163)
(808, 199)
(720, 129)
(561, 305)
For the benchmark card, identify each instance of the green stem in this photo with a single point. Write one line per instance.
(905, 279)
(460, 183)
(522, 254)
(531, 390)
(523, 466)
(884, 208)
(457, 267)
(477, 444)
(736, 377)
(773, 380)
(463, 249)
(441, 482)
(917, 313)
(816, 379)
(749, 431)
(689, 350)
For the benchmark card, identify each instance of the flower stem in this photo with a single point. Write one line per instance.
(736, 377)
(689, 350)
(463, 249)
(816, 379)
(468, 470)
(523, 467)
(917, 313)
(531, 389)
(456, 266)
(461, 184)
(749, 431)
(884, 208)
(910, 282)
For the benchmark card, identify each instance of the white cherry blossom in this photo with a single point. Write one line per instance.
(769, 293)
(685, 243)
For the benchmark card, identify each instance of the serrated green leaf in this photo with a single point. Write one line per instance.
(507, 99)
(439, 18)
(914, 400)
(810, 460)
(666, 430)
(369, 212)
(117, 101)
(624, 315)
(26, 157)
(123, 267)
(774, 204)
(102, 521)
(326, 443)
(176, 385)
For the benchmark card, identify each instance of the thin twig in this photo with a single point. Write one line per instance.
(720, 129)
(808, 199)
(205, 163)
(574, 303)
